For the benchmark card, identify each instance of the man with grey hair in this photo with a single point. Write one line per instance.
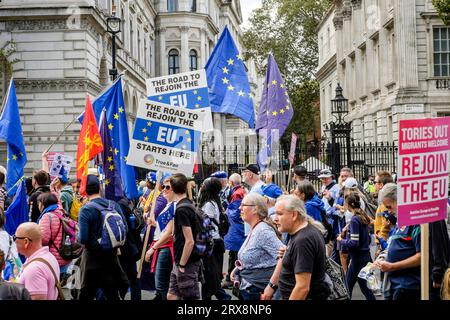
(301, 274)
(235, 236)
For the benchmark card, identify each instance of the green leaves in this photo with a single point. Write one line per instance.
(443, 8)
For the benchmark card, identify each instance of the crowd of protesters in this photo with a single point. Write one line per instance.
(278, 245)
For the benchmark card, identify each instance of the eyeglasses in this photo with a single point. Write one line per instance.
(20, 238)
(248, 205)
(166, 187)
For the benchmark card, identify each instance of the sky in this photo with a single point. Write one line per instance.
(247, 6)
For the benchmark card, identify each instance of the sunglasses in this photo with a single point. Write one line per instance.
(20, 238)
(166, 187)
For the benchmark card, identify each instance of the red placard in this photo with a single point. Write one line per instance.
(423, 162)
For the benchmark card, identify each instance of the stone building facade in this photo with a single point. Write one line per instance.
(392, 59)
(63, 52)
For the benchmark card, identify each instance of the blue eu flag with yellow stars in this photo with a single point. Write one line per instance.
(11, 132)
(275, 112)
(229, 89)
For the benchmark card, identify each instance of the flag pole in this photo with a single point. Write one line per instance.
(15, 185)
(6, 96)
(147, 233)
(62, 132)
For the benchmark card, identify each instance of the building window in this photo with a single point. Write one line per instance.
(174, 63)
(172, 5)
(193, 5)
(193, 59)
(441, 37)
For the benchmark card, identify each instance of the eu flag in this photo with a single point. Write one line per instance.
(275, 112)
(229, 89)
(11, 132)
(112, 101)
(113, 184)
(17, 211)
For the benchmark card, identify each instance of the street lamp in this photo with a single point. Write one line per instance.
(113, 27)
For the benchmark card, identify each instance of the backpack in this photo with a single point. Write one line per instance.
(203, 229)
(71, 249)
(113, 231)
(328, 227)
(223, 224)
(336, 274)
(75, 207)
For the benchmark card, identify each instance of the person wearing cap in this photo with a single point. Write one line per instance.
(330, 191)
(271, 192)
(250, 176)
(225, 192)
(100, 269)
(389, 221)
(300, 173)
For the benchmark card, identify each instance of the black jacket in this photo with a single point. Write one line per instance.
(35, 213)
(440, 250)
(13, 291)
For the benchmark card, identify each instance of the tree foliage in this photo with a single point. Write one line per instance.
(6, 62)
(443, 8)
(287, 29)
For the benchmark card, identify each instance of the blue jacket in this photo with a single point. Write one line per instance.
(236, 235)
(314, 207)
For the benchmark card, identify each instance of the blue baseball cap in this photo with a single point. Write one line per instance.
(390, 217)
(272, 191)
(220, 175)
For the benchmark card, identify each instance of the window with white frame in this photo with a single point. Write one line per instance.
(441, 41)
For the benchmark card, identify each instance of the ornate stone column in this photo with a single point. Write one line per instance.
(184, 49)
(162, 51)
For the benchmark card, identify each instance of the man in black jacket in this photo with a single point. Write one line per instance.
(8, 290)
(41, 181)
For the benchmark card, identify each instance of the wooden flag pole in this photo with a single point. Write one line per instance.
(147, 233)
(424, 262)
(62, 132)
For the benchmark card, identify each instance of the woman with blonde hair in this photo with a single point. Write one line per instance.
(257, 257)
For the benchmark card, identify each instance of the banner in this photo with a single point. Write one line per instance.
(423, 170)
(293, 146)
(165, 138)
(185, 90)
(59, 161)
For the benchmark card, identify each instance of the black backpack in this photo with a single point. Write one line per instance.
(202, 232)
(328, 227)
(223, 224)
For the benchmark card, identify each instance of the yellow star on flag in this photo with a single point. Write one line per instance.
(195, 91)
(282, 111)
(281, 85)
(144, 130)
(199, 98)
(110, 149)
(274, 113)
(110, 126)
(116, 116)
(126, 159)
(110, 159)
(287, 107)
(160, 98)
(111, 167)
(225, 80)
(239, 57)
(230, 62)
(274, 82)
(285, 93)
(184, 147)
(288, 101)
(107, 181)
(187, 132)
(120, 110)
(14, 157)
(225, 70)
(146, 138)
(116, 151)
(197, 105)
(149, 124)
(230, 88)
(241, 93)
(189, 139)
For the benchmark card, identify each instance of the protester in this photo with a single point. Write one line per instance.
(101, 268)
(381, 179)
(41, 181)
(210, 203)
(257, 257)
(9, 290)
(300, 173)
(250, 176)
(313, 205)
(3, 193)
(161, 252)
(67, 193)
(225, 191)
(345, 174)
(271, 192)
(302, 272)
(402, 263)
(369, 185)
(357, 242)
(389, 221)
(235, 236)
(51, 227)
(330, 190)
(13, 264)
(184, 277)
(40, 274)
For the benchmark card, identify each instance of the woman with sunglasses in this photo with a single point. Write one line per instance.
(257, 257)
(209, 201)
(162, 246)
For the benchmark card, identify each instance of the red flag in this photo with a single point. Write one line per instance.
(89, 145)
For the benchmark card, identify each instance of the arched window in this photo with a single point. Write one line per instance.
(193, 59)
(193, 5)
(174, 62)
(172, 5)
